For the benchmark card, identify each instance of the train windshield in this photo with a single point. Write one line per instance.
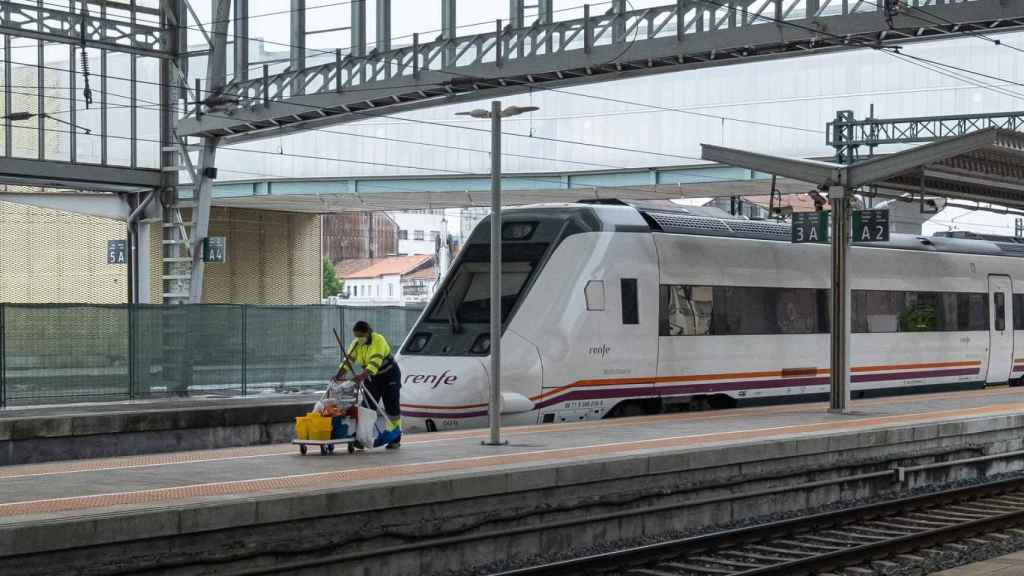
(466, 296)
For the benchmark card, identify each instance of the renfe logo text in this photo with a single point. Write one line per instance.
(434, 379)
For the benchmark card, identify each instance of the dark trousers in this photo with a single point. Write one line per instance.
(387, 386)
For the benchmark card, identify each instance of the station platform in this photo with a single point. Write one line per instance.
(235, 504)
(73, 432)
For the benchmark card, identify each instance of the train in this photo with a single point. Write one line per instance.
(613, 309)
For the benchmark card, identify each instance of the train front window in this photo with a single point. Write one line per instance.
(465, 297)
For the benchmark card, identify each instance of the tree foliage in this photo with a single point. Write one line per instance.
(332, 285)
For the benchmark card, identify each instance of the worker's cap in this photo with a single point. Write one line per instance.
(361, 327)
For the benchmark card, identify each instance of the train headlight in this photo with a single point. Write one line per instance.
(482, 345)
(418, 342)
(517, 230)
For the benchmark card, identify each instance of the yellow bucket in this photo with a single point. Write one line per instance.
(301, 428)
(318, 427)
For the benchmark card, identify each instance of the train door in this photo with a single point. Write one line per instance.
(1000, 350)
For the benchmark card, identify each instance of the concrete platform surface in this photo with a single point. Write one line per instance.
(85, 487)
(45, 434)
(1012, 565)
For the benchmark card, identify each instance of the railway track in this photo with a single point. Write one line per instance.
(817, 544)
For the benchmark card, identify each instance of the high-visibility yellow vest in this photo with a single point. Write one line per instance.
(370, 356)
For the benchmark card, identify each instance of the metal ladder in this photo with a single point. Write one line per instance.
(177, 257)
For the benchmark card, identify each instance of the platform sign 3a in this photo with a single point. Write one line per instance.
(810, 227)
(871, 226)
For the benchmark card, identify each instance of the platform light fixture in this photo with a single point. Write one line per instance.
(495, 114)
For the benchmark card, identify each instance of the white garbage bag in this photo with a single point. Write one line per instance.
(366, 426)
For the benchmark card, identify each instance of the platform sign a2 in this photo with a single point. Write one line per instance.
(871, 226)
(810, 227)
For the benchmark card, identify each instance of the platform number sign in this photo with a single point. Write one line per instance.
(810, 227)
(117, 251)
(871, 226)
(215, 249)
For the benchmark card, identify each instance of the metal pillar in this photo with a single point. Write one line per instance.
(545, 11)
(839, 392)
(203, 189)
(448, 30)
(619, 26)
(297, 59)
(241, 71)
(516, 9)
(383, 25)
(358, 27)
(494, 407)
(839, 198)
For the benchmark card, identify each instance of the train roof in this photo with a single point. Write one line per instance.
(669, 218)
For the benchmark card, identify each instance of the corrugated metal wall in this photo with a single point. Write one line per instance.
(53, 256)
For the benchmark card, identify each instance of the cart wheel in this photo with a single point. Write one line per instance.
(323, 450)
(302, 449)
(351, 448)
(330, 448)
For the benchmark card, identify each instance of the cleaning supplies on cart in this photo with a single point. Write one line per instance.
(373, 429)
(328, 405)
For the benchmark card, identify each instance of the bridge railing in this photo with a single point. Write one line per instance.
(327, 72)
(64, 353)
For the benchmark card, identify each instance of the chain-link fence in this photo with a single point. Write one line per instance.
(62, 353)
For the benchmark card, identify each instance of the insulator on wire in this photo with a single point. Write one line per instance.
(87, 90)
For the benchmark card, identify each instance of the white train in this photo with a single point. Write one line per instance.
(612, 309)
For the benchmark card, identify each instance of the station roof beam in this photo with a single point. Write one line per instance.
(599, 47)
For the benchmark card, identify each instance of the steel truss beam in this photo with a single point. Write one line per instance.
(135, 36)
(877, 131)
(684, 34)
(57, 174)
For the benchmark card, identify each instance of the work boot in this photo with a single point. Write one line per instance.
(396, 443)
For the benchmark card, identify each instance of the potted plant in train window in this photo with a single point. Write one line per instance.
(919, 319)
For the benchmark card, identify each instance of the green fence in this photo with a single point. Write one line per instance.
(62, 353)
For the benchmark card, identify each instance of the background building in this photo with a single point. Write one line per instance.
(394, 281)
(349, 235)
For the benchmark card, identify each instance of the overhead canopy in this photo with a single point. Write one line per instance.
(983, 166)
(326, 203)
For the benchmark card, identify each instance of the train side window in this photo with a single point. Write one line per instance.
(1000, 302)
(630, 305)
(1018, 311)
(594, 293)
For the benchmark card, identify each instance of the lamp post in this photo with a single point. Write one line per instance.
(496, 113)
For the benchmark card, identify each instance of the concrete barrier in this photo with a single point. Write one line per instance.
(147, 430)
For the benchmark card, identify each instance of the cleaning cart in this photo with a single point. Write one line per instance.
(355, 420)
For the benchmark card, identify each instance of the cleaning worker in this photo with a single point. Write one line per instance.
(383, 379)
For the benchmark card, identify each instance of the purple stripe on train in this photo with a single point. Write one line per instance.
(598, 394)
